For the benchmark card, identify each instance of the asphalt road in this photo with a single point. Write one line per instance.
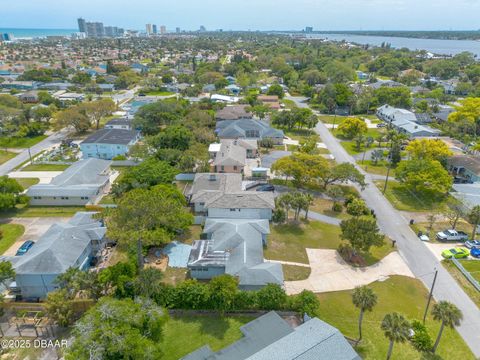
(54, 139)
(421, 261)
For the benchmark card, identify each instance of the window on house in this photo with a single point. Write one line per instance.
(233, 209)
(235, 168)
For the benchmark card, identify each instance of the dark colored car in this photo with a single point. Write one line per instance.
(266, 187)
(22, 250)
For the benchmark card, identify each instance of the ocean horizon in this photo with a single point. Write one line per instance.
(35, 33)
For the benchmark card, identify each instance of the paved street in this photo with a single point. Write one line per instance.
(54, 139)
(418, 257)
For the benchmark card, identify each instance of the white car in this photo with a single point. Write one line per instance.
(424, 238)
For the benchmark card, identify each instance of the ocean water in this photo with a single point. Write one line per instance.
(35, 33)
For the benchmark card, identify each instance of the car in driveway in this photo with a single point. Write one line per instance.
(475, 252)
(452, 235)
(472, 244)
(457, 253)
(22, 250)
(266, 187)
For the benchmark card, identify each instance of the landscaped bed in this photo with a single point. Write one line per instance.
(397, 294)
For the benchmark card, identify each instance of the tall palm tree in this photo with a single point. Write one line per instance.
(396, 328)
(364, 299)
(448, 314)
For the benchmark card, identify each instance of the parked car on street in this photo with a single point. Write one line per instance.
(457, 253)
(472, 244)
(452, 235)
(475, 252)
(22, 250)
(266, 187)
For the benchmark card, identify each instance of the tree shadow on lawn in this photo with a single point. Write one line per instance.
(213, 325)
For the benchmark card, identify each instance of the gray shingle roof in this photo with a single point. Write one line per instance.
(83, 178)
(207, 186)
(112, 136)
(233, 112)
(269, 337)
(231, 154)
(61, 246)
(243, 200)
(244, 128)
(237, 245)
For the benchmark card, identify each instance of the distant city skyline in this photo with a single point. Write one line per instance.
(248, 14)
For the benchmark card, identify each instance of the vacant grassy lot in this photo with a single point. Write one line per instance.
(184, 334)
(42, 211)
(20, 142)
(45, 167)
(294, 273)
(6, 155)
(27, 182)
(467, 286)
(288, 242)
(400, 294)
(10, 234)
(404, 199)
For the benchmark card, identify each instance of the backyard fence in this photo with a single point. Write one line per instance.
(467, 274)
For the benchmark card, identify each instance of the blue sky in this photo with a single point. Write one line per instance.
(247, 14)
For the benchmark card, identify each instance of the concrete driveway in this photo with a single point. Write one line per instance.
(331, 273)
(44, 176)
(35, 227)
(437, 248)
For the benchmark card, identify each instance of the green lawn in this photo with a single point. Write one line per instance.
(299, 134)
(159, 93)
(379, 169)
(191, 234)
(401, 294)
(294, 272)
(324, 206)
(20, 142)
(467, 286)
(107, 199)
(403, 199)
(27, 182)
(45, 167)
(5, 156)
(10, 232)
(42, 211)
(473, 267)
(184, 334)
(174, 276)
(287, 242)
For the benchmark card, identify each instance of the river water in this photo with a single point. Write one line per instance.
(444, 47)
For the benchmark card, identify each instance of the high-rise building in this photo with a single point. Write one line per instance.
(149, 29)
(82, 27)
(177, 30)
(163, 29)
(7, 37)
(154, 28)
(309, 29)
(203, 28)
(95, 29)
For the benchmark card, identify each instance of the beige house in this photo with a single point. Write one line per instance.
(230, 156)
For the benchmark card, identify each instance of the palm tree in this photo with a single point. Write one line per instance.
(448, 314)
(364, 299)
(396, 328)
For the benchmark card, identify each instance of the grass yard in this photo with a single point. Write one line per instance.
(299, 134)
(324, 206)
(400, 294)
(27, 182)
(378, 169)
(45, 167)
(6, 155)
(462, 280)
(184, 334)
(174, 276)
(107, 199)
(294, 272)
(24, 142)
(10, 234)
(159, 93)
(42, 211)
(403, 199)
(287, 242)
(473, 267)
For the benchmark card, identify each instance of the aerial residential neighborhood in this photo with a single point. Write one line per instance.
(211, 194)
